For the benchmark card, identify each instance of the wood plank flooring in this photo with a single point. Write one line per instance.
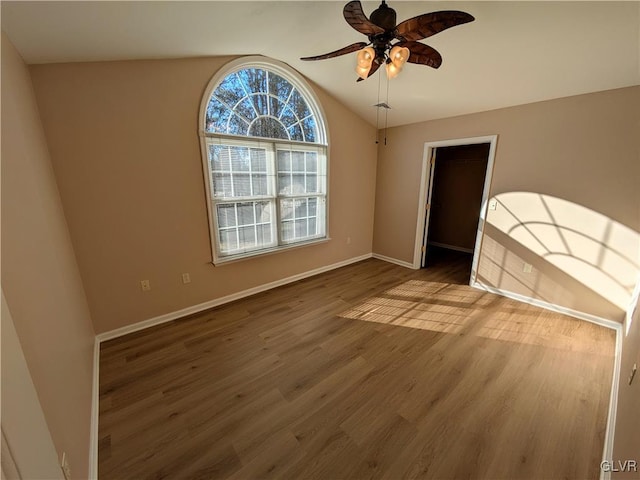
(368, 371)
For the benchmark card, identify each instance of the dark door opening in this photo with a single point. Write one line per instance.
(455, 200)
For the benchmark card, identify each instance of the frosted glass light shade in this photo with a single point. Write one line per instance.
(365, 60)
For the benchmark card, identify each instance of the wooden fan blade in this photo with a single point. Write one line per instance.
(424, 26)
(374, 68)
(422, 54)
(354, 15)
(354, 47)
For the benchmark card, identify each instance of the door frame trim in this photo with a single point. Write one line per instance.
(425, 180)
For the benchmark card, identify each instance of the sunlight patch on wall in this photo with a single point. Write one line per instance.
(598, 252)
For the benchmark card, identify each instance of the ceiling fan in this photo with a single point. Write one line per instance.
(382, 31)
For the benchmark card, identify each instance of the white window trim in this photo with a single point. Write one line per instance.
(206, 139)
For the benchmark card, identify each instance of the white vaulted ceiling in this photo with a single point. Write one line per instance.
(513, 53)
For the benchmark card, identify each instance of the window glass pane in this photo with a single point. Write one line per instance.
(295, 133)
(300, 205)
(309, 129)
(237, 126)
(284, 184)
(230, 91)
(258, 160)
(241, 185)
(217, 116)
(279, 87)
(301, 228)
(263, 212)
(247, 237)
(288, 117)
(284, 161)
(299, 105)
(219, 157)
(297, 161)
(228, 240)
(286, 208)
(275, 107)
(253, 79)
(246, 109)
(298, 184)
(311, 183)
(245, 213)
(263, 234)
(287, 231)
(267, 127)
(312, 162)
(261, 104)
(313, 205)
(222, 185)
(226, 215)
(260, 184)
(240, 161)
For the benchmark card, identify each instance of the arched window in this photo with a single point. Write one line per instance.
(264, 154)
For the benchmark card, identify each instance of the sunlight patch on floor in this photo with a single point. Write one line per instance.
(458, 309)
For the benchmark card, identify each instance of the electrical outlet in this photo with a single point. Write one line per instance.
(493, 204)
(64, 464)
(526, 268)
(186, 278)
(145, 285)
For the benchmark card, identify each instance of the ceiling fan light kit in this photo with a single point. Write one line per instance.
(381, 31)
(397, 58)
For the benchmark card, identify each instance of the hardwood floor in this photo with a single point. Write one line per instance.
(368, 371)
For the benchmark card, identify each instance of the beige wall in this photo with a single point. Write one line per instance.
(566, 179)
(125, 150)
(40, 277)
(26, 440)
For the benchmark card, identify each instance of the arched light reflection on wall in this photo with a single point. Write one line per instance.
(597, 251)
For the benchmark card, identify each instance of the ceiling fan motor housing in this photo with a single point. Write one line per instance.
(384, 17)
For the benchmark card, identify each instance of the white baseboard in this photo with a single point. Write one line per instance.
(451, 247)
(549, 306)
(607, 450)
(167, 317)
(402, 263)
(95, 412)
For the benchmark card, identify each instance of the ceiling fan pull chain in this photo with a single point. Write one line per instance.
(386, 113)
(378, 112)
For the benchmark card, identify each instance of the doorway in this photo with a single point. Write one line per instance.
(453, 198)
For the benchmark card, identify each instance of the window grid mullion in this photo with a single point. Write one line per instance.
(237, 230)
(277, 197)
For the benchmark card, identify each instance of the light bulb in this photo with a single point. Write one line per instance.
(392, 70)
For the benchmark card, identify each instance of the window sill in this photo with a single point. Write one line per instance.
(217, 262)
